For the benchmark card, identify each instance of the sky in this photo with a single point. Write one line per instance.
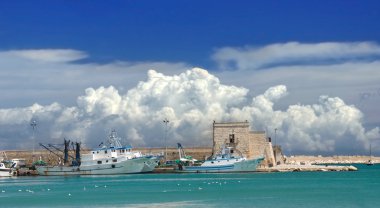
(80, 69)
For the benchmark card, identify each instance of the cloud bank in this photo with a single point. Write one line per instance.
(293, 53)
(48, 55)
(190, 100)
(322, 97)
(347, 70)
(50, 75)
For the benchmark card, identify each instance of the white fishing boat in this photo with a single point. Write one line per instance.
(112, 159)
(222, 162)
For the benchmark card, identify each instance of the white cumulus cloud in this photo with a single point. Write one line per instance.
(190, 100)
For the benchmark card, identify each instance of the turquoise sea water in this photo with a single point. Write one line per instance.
(296, 189)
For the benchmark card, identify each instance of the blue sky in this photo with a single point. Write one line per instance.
(180, 30)
(82, 68)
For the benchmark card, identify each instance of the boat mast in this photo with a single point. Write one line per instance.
(66, 151)
(77, 153)
(114, 140)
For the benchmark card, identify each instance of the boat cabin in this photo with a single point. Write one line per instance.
(111, 152)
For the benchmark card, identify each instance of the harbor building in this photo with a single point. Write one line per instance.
(250, 144)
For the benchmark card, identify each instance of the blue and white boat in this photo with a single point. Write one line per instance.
(222, 162)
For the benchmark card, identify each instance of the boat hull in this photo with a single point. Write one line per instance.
(5, 173)
(150, 164)
(130, 166)
(242, 166)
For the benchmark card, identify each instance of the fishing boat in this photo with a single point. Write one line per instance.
(223, 162)
(112, 159)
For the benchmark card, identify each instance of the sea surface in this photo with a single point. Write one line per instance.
(292, 189)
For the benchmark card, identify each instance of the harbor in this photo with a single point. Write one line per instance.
(295, 163)
(235, 149)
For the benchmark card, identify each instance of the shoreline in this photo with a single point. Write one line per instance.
(296, 163)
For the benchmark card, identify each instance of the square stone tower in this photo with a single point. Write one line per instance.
(250, 144)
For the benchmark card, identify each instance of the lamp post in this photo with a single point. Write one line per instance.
(33, 124)
(166, 121)
(275, 136)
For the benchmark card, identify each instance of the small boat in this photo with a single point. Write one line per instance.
(221, 163)
(370, 162)
(114, 159)
(6, 170)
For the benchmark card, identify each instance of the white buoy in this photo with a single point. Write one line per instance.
(69, 194)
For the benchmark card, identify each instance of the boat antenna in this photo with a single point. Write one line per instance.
(114, 140)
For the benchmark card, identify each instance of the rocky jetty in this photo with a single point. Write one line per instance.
(302, 168)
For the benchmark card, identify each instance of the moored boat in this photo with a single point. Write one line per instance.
(370, 162)
(112, 159)
(221, 163)
(6, 171)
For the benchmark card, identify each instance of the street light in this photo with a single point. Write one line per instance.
(166, 121)
(275, 136)
(275, 147)
(33, 124)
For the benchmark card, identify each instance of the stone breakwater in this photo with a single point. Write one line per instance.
(301, 168)
(307, 159)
